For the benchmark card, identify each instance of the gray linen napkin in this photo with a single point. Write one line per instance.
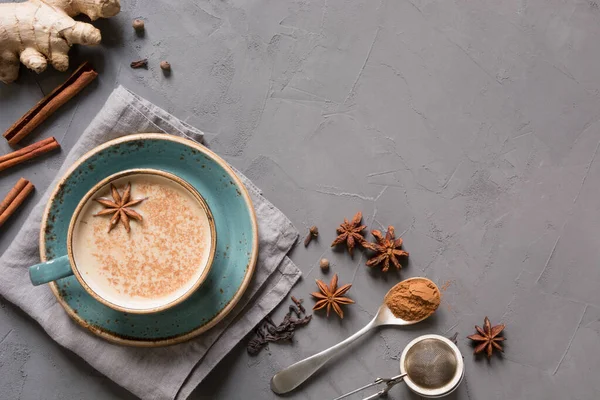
(151, 373)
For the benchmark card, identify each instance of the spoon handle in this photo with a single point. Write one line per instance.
(291, 377)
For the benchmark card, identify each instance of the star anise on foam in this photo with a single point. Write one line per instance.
(351, 233)
(332, 296)
(119, 207)
(387, 249)
(488, 338)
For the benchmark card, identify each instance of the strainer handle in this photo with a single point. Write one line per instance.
(377, 395)
(389, 383)
(290, 378)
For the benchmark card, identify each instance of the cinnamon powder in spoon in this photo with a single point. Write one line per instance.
(413, 299)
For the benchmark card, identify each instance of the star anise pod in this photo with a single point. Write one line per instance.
(388, 249)
(119, 206)
(332, 296)
(351, 233)
(487, 338)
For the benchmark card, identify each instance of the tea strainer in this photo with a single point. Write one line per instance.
(430, 365)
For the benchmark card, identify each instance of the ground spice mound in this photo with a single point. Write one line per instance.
(413, 299)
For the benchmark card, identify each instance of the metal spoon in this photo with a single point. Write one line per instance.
(291, 377)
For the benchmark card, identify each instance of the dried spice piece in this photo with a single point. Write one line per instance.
(138, 24)
(324, 264)
(388, 248)
(299, 304)
(78, 80)
(267, 331)
(28, 153)
(294, 309)
(119, 207)
(488, 338)
(313, 232)
(139, 64)
(165, 66)
(351, 233)
(332, 296)
(15, 197)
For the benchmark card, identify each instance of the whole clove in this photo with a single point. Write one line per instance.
(299, 304)
(295, 310)
(139, 63)
(267, 331)
(313, 232)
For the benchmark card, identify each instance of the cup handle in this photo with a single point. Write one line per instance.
(50, 271)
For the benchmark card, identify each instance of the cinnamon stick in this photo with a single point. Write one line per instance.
(45, 107)
(28, 153)
(15, 197)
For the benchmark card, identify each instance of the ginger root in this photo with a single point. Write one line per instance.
(38, 31)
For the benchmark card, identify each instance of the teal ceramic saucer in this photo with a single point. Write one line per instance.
(237, 238)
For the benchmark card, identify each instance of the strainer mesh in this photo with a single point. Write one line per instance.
(430, 364)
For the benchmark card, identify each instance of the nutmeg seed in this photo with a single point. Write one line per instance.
(165, 66)
(138, 24)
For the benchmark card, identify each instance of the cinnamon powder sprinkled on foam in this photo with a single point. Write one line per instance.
(162, 254)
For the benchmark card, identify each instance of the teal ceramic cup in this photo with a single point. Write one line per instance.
(140, 241)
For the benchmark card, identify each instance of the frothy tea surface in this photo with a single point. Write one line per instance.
(161, 257)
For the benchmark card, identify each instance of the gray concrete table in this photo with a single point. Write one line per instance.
(471, 126)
